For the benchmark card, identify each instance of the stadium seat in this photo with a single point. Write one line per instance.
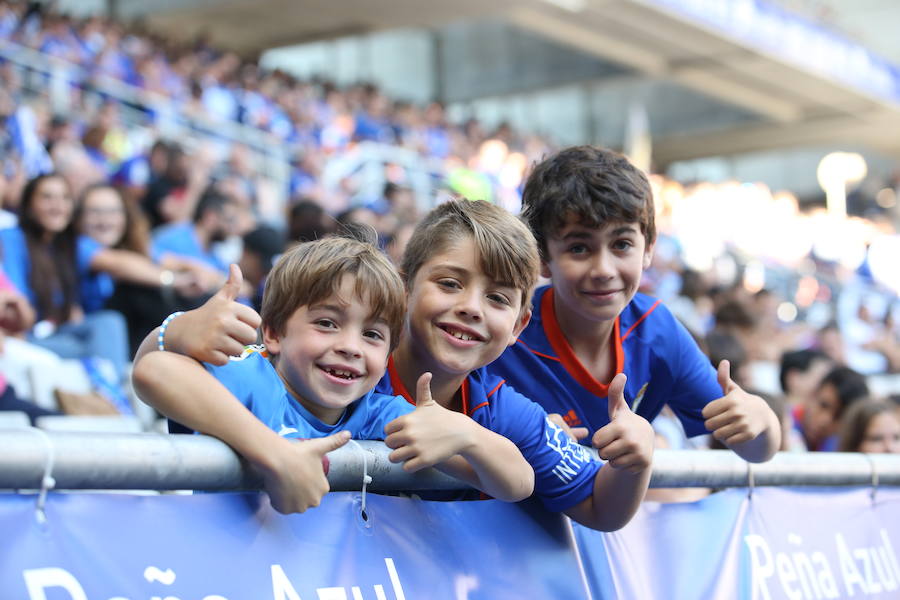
(96, 424)
(14, 419)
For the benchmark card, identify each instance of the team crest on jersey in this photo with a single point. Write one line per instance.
(248, 350)
(639, 397)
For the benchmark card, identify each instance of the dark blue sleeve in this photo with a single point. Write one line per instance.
(564, 471)
(694, 380)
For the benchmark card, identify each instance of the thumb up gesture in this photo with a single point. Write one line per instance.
(218, 329)
(429, 435)
(737, 417)
(626, 442)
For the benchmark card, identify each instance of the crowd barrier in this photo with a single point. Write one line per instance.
(832, 534)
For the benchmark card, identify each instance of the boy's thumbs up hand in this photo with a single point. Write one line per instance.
(737, 416)
(218, 329)
(615, 401)
(423, 392)
(232, 287)
(430, 434)
(296, 479)
(724, 376)
(626, 442)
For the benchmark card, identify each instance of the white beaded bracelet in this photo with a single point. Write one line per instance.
(160, 337)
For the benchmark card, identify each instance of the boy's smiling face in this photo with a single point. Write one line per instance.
(459, 318)
(332, 353)
(595, 271)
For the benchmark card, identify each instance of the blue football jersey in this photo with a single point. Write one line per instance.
(563, 470)
(663, 363)
(255, 383)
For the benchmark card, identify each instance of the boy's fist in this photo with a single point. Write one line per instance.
(626, 442)
(297, 480)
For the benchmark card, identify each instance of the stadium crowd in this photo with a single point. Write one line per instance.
(107, 230)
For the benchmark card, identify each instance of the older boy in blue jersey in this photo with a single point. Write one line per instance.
(592, 214)
(331, 313)
(469, 269)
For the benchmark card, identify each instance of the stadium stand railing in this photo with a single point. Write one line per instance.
(147, 461)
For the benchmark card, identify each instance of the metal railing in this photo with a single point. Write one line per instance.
(175, 462)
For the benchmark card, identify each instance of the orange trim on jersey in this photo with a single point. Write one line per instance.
(400, 389)
(485, 403)
(567, 357)
(541, 354)
(638, 322)
(397, 383)
(465, 397)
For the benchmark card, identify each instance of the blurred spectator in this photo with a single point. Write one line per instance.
(360, 215)
(214, 220)
(693, 307)
(262, 247)
(831, 342)
(16, 316)
(50, 263)
(818, 420)
(308, 221)
(106, 217)
(871, 426)
(801, 373)
(720, 346)
(732, 317)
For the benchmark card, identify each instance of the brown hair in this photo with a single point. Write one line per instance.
(309, 273)
(506, 249)
(594, 185)
(53, 267)
(136, 236)
(856, 420)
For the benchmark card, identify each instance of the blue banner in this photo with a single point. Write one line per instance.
(234, 546)
(777, 543)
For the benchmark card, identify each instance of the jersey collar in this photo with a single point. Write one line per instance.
(400, 389)
(566, 355)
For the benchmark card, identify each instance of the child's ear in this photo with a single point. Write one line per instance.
(271, 341)
(521, 323)
(545, 270)
(648, 256)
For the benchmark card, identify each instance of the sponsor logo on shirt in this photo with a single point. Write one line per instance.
(571, 418)
(572, 457)
(286, 431)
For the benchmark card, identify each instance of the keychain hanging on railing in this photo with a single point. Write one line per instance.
(874, 467)
(366, 480)
(751, 481)
(47, 481)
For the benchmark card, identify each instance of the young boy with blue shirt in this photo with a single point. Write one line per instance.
(469, 269)
(593, 216)
(332, 311)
